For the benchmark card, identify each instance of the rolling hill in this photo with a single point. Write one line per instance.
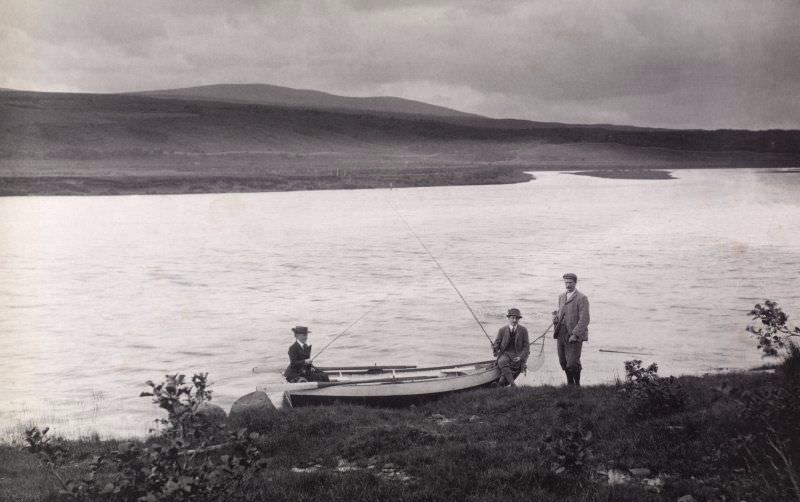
(224, 138)
(273, 95)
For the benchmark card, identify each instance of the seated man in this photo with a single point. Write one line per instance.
(511, 347)
(300, 368)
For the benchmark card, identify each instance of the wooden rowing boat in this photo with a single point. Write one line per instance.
(405, 389)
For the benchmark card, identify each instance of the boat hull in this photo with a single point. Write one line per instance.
(394, 393)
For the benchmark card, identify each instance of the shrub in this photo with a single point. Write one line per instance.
(775, 336)
(769, 441)
(568, 449)
(179, 465)
(649, 395)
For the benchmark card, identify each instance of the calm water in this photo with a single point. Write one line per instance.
(99, 294)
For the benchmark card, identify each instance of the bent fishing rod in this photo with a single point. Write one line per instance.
(441, 269)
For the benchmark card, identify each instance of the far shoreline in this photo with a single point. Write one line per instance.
(174, 183)
(627, 174)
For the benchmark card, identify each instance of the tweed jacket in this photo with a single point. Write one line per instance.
(574, 314)
(297, 357)
(522, 344)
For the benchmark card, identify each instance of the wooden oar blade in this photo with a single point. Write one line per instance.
(273, 388)
(267, 369)
(383, 367)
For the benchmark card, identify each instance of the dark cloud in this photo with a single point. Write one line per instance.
(710, 63)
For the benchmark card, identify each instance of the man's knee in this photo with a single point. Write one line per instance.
(504, 361)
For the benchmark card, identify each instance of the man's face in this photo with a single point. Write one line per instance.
(513, 320)
(570, 284)
(302, 337)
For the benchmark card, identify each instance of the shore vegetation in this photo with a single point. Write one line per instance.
(718, 437)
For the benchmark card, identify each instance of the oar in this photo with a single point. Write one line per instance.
(280, 387)
(345, 369)
(629, 353)
(431, 368)
(358, 368)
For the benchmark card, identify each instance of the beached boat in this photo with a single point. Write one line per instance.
(405, 386)
(359, 385)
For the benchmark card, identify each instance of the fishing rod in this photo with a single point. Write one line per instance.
(348, 327)
(400, 215)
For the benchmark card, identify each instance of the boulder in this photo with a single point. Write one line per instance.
(252, 411)
(210, 413)
(616, 478)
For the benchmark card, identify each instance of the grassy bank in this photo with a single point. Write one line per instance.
(628, 174)
(544, 443)
(278, 181)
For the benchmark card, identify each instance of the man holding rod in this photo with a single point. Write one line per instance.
(511, 347)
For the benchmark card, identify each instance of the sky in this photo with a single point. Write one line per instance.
(681, 64)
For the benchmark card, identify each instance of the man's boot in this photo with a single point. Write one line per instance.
(508, 375)
(570, 377)
(576, 375)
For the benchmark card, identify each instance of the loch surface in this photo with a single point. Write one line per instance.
(100, 294)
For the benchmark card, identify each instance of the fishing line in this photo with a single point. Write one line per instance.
(350, 326)
(400, 215)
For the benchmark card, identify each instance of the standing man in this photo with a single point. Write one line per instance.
(511, 347)
(300, 368)
(571, 322)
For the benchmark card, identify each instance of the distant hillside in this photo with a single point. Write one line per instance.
(263, 94)
(93, 139)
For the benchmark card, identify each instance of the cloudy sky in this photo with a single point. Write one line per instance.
(702, 63)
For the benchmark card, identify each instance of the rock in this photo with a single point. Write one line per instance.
(686, 498)
(313, 468)
(616, 477)
(345, 466)
(210, 413)
(654, 485)
(251, 411)
(441, 419)
(640, 472)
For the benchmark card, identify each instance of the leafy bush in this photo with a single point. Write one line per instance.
(775, 336)
(568, 449)
(179, 465)
(649, 395)
(769, 444)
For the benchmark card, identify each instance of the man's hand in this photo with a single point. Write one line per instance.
(573, 338)
(517, 359)
(555, 317)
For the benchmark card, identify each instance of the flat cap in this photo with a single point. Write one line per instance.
(570, 275)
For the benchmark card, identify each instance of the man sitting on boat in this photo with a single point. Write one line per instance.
(511, 347)
(300, 368)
